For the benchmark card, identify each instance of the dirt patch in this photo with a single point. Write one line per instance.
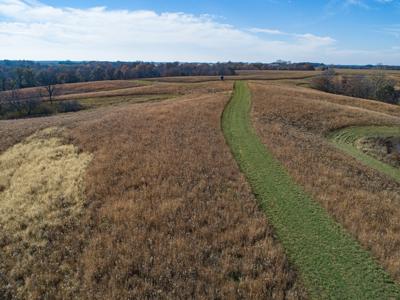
(385, 149)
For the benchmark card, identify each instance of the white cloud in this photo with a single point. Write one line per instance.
(33, 30)
(393, 30)
(267, 30)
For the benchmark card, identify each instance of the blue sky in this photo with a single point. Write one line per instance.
(336, 31)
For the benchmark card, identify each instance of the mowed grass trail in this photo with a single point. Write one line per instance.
(344, 139)
(331, 263)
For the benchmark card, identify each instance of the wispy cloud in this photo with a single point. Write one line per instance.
(359, 3)
(367, 4)
(267, 30)
(393, 30)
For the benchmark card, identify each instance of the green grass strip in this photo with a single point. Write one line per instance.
(331, 263)
(344, 139)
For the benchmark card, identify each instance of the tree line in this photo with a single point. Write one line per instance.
(23, 74)
(376, 86)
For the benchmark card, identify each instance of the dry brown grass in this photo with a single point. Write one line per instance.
(241, 75)
(13, 131)
(180, 88)
(385, 149)
(276, 74)
(169, 215)
(393, 74)
(83, 87)
(296, 92)
(292, 123)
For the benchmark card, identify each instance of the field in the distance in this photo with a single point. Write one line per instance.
(140, 195)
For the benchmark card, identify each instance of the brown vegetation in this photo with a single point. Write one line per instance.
(386, 149)
(243, 75)
(79, 88)
(168, 214)
(293, 122)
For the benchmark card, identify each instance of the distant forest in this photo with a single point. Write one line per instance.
(23, 74)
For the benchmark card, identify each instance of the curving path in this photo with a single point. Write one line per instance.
(332, 264)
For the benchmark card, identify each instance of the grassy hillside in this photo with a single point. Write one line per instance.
(330, 261)
(139, 195)
(167, 214)
(294, 122)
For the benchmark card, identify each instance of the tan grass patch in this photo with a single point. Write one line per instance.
(41, 184)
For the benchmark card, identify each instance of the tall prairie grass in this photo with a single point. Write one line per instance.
(293, 122)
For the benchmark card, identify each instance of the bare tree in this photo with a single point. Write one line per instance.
(51, 91)
(325, 81)
(13, 100)
(48, 79)
(32, 103)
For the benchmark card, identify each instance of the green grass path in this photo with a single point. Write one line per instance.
(331, 263)
(344, 140)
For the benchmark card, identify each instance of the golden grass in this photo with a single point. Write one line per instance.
(168, 213)
(41, 188)
(293, 122)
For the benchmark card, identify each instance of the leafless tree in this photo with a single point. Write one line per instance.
(325, 81)
(50, 91)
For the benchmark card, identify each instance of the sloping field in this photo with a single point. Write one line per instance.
(13, 131)
(315, 96)
(167, 213)
(330, 261)
(293, 124)
(242, 75)
(83, 87)
(178, 88)
(144, 199)
(393, 74)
